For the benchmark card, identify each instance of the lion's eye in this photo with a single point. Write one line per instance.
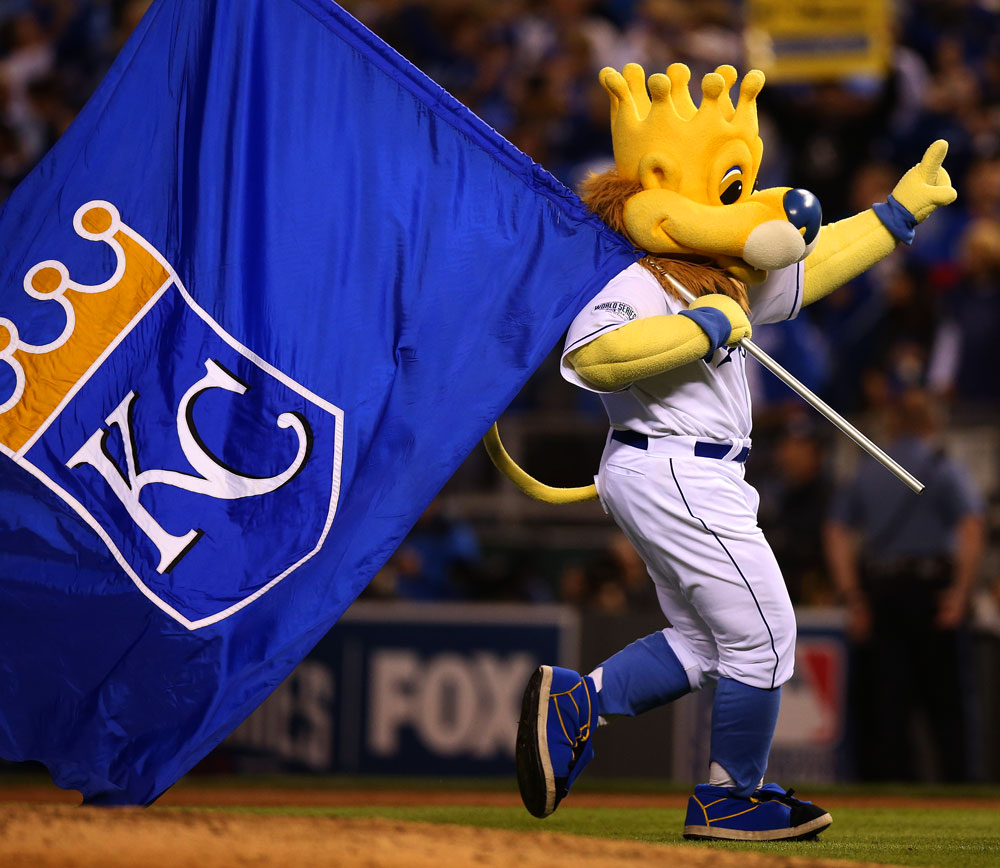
(732, 193)
(731, 186)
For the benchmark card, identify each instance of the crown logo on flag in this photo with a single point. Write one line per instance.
(666, 120)
(46, 376)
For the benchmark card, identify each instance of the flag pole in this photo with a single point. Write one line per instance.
(815, 401)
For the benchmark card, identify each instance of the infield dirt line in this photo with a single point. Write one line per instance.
(57, 836)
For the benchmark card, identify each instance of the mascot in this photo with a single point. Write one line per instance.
(673, 382)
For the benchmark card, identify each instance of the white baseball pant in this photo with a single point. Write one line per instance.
(693, 521)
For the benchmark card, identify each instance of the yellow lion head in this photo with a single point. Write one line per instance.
(697, 167)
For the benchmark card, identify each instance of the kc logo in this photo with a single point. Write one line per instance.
(208, 473)
(216, 479)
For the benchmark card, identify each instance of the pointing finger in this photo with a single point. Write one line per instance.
(933, 157)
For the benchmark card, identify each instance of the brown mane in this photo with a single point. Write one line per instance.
(606, 194)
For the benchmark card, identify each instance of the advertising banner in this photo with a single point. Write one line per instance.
(401, 688)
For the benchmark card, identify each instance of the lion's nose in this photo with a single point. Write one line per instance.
(804, 212)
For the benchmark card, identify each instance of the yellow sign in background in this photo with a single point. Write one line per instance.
(818, 40)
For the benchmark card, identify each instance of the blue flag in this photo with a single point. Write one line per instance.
(258, 304)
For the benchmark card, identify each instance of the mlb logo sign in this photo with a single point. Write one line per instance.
(197, 463)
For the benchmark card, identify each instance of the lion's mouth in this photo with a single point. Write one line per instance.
(741, 269)
(733, 265)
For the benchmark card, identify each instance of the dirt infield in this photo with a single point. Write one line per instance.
(57, 836)
(41, 827)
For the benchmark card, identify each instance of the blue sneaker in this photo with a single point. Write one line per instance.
(770, 814)
(558, 714)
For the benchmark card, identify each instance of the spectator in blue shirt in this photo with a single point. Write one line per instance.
(905, 565)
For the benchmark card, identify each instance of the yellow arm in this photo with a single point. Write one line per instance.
(654, 345)
(848, 247)
(844, 250)
(643, 348)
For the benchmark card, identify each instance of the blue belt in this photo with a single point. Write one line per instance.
(702, 448)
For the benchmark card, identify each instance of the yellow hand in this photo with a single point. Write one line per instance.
(734, 313)
(926, 186)
(850, 246)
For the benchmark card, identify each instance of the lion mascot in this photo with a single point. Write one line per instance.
(673, 381)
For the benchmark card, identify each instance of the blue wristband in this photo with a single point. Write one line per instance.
(900, 222)
(714, 323)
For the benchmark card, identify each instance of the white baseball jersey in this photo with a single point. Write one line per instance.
(704, 399)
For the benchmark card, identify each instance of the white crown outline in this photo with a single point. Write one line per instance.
(58, 295)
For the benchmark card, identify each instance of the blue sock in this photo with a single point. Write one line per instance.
(743, 722)
(641, 676)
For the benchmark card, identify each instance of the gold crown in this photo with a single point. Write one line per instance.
(48, 375)
(666, 119)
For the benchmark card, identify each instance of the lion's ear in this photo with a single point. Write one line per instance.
(658, 170)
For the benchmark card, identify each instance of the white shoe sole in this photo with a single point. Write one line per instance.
(535, 777)
(805, 830)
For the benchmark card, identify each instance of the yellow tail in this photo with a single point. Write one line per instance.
(528, 484)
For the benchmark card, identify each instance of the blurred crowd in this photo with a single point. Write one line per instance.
(53, 53)
(923, 319)
(925, 316)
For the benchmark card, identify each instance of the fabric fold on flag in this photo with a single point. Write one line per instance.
(258, 304)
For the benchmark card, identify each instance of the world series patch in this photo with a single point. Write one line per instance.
(618, 308)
